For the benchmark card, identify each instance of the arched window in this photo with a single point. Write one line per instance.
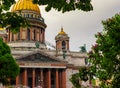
(63, 45)
(28, 34)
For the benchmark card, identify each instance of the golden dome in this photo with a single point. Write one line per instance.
(1, 29)
(25, 5)
(62, 32)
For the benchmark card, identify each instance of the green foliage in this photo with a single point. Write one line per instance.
(78, 77)
(93, 81)
(75, 79)
(83, 73)
(6, 4)
(105, 54)
(104, 58)
(116, 81)
(10, 19)
(8, 65)
(105, 85)
(66, 5)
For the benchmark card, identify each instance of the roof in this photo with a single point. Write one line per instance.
(25, 5)
(62, 32)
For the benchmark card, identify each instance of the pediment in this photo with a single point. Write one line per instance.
(39, 57)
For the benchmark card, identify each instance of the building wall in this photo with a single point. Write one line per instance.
(69, 72)
(78, 61)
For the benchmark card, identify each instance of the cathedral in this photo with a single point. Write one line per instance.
(39, 65)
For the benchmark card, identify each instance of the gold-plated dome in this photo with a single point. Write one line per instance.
(25, 5)
(1, 29)
(62, 32)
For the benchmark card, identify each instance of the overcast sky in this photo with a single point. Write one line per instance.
(80, 26)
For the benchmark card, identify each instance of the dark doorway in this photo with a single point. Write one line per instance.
(30, 82)
(28, 34)
(53, 80)
(12, 82)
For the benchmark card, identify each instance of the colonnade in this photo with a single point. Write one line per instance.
(27, 34)
(46, 78)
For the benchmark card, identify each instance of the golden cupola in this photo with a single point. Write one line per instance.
(61, 35)
(62, 32)
(25, 5)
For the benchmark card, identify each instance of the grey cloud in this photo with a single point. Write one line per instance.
(80, 26)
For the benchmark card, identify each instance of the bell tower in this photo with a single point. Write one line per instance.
(62, 41)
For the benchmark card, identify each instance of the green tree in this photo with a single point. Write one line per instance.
(66, 5)
(8, 65)
(78, 77)
(105, 54)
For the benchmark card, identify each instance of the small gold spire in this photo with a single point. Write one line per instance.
(61, 29)
(62, 32)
